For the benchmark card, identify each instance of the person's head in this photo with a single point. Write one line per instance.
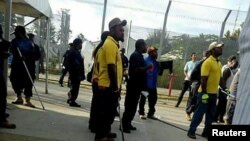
(141, 46)
(31, 36)
(193, 56)
(231, 61)
(20, 32)
(206, 54)
(71, 45)
(104, 35)
(116, 29)
(77, 43)
(152, 52)
(231, 58)
(215, 49)
(122, 50)
(1, 31)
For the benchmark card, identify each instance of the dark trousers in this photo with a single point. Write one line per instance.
(74, 90)
(221, 107)
(186, 86)
(192, 99)
(152, 99)
(20, 87)
(133, 93)
(204, 106)
(3, 95)
(105, 111)
(93, 108)
(21, 82)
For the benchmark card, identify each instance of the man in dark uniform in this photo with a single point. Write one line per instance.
(19, 77)
(76, 71)
(136, 83)
(65, 66)
(4, 53)
(124, 65)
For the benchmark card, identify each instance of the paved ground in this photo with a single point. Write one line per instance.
(59, 122)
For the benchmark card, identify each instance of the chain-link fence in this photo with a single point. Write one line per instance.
(189, 28)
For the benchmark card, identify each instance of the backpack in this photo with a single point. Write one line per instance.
(90, 73)
(196, 73)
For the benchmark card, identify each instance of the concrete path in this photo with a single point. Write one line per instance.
(59, 122)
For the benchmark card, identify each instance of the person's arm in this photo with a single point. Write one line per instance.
(142, 69)
(186, 70)
(205, 71)
(135, 62)
(112, 77)
(204, 84)
(226, 74)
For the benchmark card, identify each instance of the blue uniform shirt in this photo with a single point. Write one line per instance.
(152, 73)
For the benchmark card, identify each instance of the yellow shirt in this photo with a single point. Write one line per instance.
(109, 54)
(212, 69)
(95, 74)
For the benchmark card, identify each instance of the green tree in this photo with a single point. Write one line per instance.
(154, 38)
(43, 30)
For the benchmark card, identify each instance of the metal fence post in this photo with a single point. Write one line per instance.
(164, 29)
(223, 26)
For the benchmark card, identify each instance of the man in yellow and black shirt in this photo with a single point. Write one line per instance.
(207, 97)
(109, 77)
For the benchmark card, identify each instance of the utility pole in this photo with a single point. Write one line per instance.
(164, 29)
(65, 24)
(104, 15)
(8, 6)
(223, 26)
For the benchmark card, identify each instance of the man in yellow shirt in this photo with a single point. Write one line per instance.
(207, 97)
(109, 79)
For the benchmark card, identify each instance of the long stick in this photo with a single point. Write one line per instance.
(30, 77)
(228, 94)
(121, 126)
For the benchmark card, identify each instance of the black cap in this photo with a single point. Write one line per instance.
(77, 41)
(21, 30)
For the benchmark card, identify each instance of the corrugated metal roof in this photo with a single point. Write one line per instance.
(31, 8)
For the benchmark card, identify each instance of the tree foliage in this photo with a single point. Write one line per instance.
(154, 38)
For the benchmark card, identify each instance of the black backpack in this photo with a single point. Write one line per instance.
(196, 73)
(90, 73)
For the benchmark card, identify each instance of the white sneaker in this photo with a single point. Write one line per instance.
(145, 93)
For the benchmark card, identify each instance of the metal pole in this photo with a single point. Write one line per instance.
(29, 23)
(62, 38)
(129, 31)
(38, 42)
(223, 26)
(7, 19)
(104, 15)
(47, 53)
(164, 29)
(27, 70)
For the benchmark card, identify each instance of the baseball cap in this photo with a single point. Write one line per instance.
(77, 41)
(151, 49)
(116, 21)
(214, 45)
